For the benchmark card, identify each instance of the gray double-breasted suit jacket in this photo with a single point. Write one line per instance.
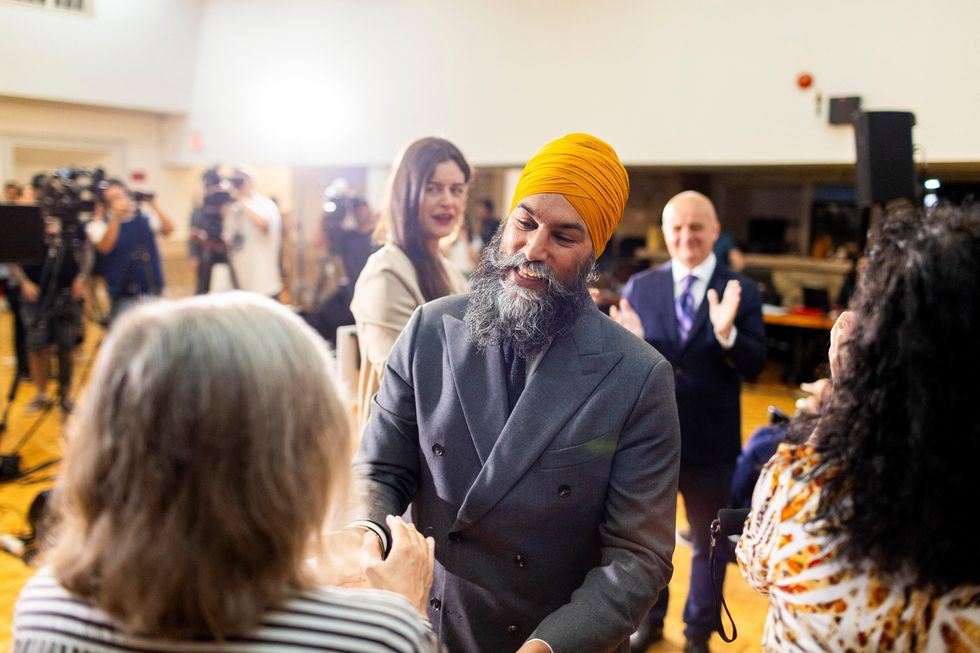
(555, 522)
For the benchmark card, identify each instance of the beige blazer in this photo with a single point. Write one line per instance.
(385, 296)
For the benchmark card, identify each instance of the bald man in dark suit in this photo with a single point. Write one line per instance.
(707, 321)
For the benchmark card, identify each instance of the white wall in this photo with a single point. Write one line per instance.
(137, 54)
(133, 138)
(349, 82)
(134, 141)
(334, 82)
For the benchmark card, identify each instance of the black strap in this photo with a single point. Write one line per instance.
(716, 592)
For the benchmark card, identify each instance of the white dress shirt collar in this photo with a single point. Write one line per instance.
(702, 270)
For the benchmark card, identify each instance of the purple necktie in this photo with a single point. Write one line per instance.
(684, 308)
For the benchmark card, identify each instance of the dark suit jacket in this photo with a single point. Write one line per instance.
(708, 378)
(557, 522)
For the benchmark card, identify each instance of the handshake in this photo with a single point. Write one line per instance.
(353, 558)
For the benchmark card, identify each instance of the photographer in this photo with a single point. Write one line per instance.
(127, 246)
(253, 233)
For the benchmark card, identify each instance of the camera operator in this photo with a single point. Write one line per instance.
(13, 193)
(125, 240)
(205, 246)
(346, 232)
(253, 233)
(50, 306)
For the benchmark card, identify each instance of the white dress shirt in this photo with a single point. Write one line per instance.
(699, 288)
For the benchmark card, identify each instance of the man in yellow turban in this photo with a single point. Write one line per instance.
(535, 439)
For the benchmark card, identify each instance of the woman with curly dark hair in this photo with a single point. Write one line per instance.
(859, 535)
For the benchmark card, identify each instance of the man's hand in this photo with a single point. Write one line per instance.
(78, 288)
(722, 313)
(534, 646)
(166, 224)
(29, 291)
(627, 317)
(339, 561)
(408, 568)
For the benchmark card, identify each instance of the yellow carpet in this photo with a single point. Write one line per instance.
(45, 445)
(38, 439)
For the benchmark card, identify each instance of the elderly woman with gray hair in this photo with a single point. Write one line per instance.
(206, 466)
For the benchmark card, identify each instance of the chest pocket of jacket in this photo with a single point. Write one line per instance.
(602, 447)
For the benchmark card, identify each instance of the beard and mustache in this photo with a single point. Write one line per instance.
(500, 312)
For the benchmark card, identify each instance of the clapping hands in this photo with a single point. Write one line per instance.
(722, 311)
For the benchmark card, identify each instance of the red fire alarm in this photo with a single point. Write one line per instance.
(804, 80)
(196, 142)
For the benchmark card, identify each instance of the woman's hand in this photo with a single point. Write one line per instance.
(841, 332)
(408, 568)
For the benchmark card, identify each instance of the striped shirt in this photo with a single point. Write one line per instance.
(48, 618)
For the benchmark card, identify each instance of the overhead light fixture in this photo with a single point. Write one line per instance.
(932, 184)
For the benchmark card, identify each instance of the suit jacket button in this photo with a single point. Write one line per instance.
(428, 531)
(513, 629)
(455, 537)
(438, 449)
(435, 603)
(564, 491)
(520, 561)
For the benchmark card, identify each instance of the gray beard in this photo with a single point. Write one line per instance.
(499, 312)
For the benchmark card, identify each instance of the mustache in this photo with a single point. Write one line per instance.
(519, 260)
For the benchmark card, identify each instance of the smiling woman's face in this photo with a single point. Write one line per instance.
(443, 201)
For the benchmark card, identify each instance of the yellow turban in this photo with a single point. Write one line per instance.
(588, 173)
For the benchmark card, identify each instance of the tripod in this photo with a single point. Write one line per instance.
(213, 251)
(57, 313)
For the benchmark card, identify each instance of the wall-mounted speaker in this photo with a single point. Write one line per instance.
(885, 167)
(842, 109)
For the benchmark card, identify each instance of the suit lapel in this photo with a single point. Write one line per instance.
(479, 377)
(666, 313)
(569, 372)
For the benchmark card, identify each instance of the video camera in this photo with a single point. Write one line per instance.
(216, 197)
(215, 188)
(61, 198)
(70, 191)
(340, 206)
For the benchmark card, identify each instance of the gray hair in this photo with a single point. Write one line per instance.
(209, 451)
(500, 312)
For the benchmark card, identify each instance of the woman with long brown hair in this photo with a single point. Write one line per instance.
(425, 202)
(208, 457)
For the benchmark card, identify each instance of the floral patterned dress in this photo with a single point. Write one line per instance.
(820, 602)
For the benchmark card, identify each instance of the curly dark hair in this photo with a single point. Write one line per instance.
(900, 429)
